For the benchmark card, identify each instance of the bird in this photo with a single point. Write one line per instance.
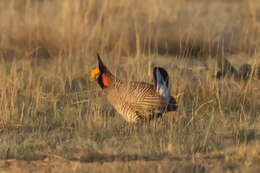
(136, 101)
(244, 72)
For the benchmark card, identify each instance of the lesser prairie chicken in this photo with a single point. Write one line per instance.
(136, 101)
(244, 72)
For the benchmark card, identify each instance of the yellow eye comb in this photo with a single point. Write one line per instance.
(94, 73)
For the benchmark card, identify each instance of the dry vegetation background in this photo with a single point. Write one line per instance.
(54, 117)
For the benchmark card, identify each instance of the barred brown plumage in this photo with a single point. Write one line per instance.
(136, 101)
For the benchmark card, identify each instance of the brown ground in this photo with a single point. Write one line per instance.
(240, 159)
(62, 165)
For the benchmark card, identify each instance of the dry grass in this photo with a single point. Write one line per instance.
(48, 28)
(51, 108)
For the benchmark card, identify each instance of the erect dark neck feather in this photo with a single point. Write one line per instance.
(102, 67)
(103, 70)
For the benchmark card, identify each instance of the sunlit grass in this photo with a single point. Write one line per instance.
(51, 107)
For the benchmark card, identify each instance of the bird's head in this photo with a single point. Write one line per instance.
(101, 74)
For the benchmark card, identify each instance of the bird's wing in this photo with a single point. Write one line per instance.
(145, 100)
